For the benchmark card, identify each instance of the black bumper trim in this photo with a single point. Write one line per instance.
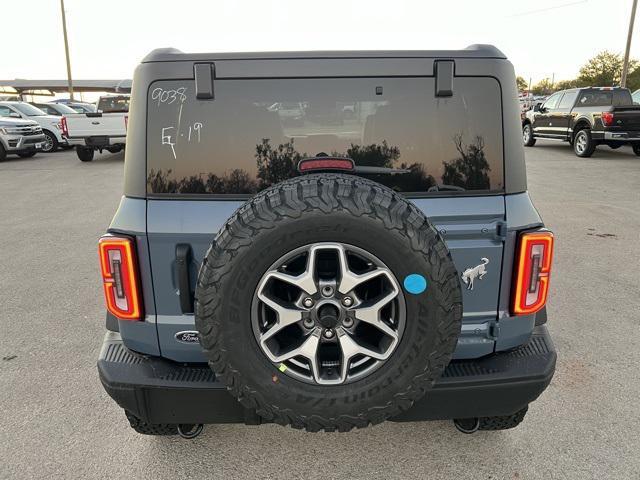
(160, 391)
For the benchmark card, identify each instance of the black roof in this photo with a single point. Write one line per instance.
(472, 51)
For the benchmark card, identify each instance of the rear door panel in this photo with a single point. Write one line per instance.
(469, 226)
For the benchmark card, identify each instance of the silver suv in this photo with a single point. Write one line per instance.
(23, 137)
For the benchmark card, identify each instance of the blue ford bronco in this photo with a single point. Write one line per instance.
(325, 240)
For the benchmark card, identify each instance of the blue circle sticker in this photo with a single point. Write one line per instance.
(415, 283)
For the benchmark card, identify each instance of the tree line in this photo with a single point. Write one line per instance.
(469, 171)
(603, 70)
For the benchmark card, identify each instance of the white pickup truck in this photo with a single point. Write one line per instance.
(105, 129)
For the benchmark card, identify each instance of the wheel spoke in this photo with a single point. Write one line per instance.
(308, 349)
(286, 316)
(350, 280)
(350, 348)
(304, 281)
(371, 314)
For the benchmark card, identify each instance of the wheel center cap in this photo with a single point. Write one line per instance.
(328, 315)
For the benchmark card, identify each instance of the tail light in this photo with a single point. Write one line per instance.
(63, 125)
(607, 119)
(531, 283)
(120, 277)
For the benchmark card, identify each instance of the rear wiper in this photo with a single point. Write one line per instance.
(443, 187)
(380, 170)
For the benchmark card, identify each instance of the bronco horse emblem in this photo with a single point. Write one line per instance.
(470, 274)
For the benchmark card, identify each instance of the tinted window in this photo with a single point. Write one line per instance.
(552, 101)
(256, 130)
(595, 98)
(29, 110)
(568, 100)
(622, 97)
(47, 109)
(113, 104)
(62, 109)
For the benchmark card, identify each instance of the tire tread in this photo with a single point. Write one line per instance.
(327, 193)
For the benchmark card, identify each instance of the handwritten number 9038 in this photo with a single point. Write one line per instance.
(168, 96)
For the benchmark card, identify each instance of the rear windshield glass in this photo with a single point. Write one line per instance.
(255, 131)
(113, 104)
(622, 97)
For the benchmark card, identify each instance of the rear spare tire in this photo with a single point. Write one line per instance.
(328, 302)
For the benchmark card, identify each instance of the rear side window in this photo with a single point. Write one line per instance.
(595, 98)
(255, 131)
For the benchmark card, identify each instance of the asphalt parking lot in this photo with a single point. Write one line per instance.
(57, 422)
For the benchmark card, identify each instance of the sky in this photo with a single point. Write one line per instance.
(107, 38)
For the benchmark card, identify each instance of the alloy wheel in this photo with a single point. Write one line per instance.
(328, 313)
(581, 142)
(48, 143)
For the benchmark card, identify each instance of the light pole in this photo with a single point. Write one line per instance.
(66, 49)
(625, 64)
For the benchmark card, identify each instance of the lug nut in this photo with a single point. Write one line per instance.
(347, 322)
(347, 301)
(327, 291)
(328, 333)
(308, 302)
(308, 323)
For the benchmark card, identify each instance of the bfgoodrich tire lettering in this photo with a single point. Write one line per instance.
(327, 208)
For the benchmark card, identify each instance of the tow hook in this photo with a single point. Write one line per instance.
(467, 425)
(190, 431)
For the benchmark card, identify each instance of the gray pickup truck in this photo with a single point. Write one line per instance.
(21, 137)
(377, 259)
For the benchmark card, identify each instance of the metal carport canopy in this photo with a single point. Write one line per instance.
(25, 86)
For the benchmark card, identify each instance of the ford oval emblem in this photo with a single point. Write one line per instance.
(189, 336)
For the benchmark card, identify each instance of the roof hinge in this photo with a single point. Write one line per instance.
(204, 74)
(444, 70)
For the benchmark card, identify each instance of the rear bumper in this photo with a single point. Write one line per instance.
(618, 136)
(97, 141)
(160, 391)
